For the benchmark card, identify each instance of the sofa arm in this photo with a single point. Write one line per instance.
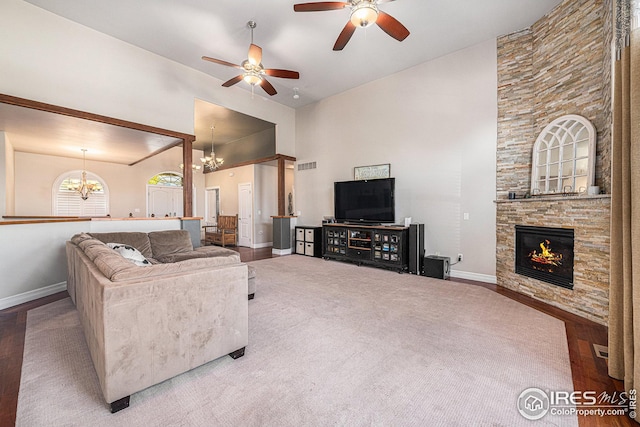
(155, 329)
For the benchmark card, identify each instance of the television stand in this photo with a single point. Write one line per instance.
(376, 245)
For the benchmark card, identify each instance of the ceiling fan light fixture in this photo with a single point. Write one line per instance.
(364, 14)
(252, 78)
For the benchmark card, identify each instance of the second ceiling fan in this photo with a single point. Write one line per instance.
(253, 70)
(363, 14)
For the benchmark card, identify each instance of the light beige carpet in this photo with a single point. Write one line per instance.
(329, 344)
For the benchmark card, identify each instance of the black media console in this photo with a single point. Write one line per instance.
(379, 246)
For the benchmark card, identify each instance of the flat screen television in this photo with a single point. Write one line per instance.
(366, 201)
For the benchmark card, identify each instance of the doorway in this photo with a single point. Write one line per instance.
(212, 201)
(164, 201)
(245, 209)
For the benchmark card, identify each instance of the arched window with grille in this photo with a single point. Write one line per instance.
(68, 202)
(170, 179)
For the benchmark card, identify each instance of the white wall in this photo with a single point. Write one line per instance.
(436, 125)
(34, 262)
(265, 204)
(47, 58)
(36, 173)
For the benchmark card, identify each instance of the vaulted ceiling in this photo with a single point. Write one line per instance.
(185, 30)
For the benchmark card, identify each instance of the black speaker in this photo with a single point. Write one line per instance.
(416, 248)
(437, 266)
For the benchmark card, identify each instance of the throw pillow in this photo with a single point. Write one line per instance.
(130, 253)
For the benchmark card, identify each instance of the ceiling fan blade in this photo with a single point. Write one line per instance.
(392, 26)
(268, 87)
(285, 74)
(221, 62)
(255, 54)
(319, 6)
(233, 81)
(344, 36)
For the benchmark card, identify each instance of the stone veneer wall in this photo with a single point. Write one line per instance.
(561, 65)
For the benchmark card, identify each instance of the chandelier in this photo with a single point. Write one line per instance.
(193, 166)
(211, 162)
(84, 187)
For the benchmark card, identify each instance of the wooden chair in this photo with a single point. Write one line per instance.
(224, 233)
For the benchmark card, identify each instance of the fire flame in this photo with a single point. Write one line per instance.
(546, 256)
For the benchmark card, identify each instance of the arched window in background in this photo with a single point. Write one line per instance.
(67, 202)
(166, 178)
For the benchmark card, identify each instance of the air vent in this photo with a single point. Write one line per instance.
(601, 351)
(306, 166)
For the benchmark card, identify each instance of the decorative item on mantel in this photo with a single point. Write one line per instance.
(564, 158)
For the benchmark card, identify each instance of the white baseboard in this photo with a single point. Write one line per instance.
(282, 251)
(486, 278)
(32, 295)
(261, 245)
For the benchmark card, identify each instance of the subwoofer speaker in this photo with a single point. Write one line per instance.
(416, 248)
(437, 266)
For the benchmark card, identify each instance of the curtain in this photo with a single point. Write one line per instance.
(624, 291)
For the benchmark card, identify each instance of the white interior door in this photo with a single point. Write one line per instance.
(245, 217)
(163, 201)
(213, 205)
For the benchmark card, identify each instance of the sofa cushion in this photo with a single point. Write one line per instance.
(169, 242)
(130, 253)
(93, 248)
(137, 239)
(80, 237)
(118, 274)
(201, 252)
(112, 263)
(214, 251)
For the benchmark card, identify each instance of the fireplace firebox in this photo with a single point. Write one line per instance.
(546, 254)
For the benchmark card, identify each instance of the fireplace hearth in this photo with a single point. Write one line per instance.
(545, 253)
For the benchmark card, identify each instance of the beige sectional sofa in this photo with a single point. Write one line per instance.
(146, 324)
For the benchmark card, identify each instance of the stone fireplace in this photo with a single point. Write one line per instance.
(560, 65)
(588, 217)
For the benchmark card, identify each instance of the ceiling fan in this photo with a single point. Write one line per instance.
(253, 70)
(363, 14)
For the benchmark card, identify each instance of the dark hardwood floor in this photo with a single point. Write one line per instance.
(588, 370)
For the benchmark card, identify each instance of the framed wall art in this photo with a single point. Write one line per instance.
(372, 172)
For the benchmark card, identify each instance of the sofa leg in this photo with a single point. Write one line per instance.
(251, 296)
(237, 354)
(119, 404)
